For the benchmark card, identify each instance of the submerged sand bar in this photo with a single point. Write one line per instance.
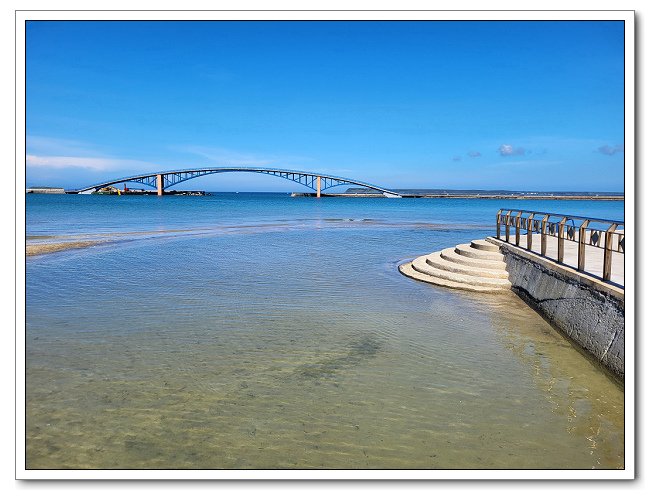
(43, 248)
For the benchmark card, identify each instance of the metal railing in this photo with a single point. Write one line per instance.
(600, 233)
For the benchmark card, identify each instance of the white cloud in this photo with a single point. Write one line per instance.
(610, 150)
(84, 162)
(510, 150)
(53, 153)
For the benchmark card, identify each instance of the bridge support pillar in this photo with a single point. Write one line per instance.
(318, 186)
(159, 184)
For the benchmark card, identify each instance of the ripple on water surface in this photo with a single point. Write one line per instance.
(298, 349)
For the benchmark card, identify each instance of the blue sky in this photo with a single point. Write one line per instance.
(455, 105)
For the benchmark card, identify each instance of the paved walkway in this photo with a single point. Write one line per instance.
(593, 256)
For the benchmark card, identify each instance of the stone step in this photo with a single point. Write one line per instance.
(420, 264)
(468, 251)
(451, 255)
(408, 270)
(436, 260)
(484, 245)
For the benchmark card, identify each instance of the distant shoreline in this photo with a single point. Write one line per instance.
(405, 193)
(603, 197)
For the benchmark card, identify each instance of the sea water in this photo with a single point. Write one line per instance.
(261, 331)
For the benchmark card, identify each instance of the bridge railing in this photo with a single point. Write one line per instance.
(556, 230)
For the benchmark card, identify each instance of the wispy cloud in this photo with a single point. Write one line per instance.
(510, 150)
(610, 150)
(474, 154)
(56, 154)
(85, 162)
(232, 158)
(456, 158)
(54, 146)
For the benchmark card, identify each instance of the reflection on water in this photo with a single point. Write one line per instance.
(301, 348)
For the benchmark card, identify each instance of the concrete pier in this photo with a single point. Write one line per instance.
(594, 257)
(159, 184)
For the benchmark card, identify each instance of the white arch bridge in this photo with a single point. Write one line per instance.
(163, 180)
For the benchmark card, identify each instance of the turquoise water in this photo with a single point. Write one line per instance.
(263, 331)
(54, 214)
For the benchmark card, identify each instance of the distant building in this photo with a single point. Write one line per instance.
(44, 190)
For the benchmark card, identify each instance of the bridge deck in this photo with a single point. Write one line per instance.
(162, 180)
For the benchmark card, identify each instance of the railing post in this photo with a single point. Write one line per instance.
(529, 236)
(566, 229)
(543, 233)
(582, 244)
(517, 228)
(560, 240)
(607, 262)
(499, 224)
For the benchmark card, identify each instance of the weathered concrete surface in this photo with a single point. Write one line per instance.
(587, 310)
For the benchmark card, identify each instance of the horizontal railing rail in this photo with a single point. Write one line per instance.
(586, 232)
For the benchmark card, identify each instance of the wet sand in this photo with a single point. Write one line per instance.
(43, 248)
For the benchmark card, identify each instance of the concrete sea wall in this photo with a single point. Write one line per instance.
(588, 311)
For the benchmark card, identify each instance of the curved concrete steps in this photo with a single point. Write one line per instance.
(477, 266)
(484, 245)
(475, 253)
(471, 269)
(407, 270)
(451, 255)
(420, 264)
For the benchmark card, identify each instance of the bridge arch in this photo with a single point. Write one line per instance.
(163, 180)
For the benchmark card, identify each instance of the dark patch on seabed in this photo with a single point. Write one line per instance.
(358, 352)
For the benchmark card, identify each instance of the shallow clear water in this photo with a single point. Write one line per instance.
(278, 333)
